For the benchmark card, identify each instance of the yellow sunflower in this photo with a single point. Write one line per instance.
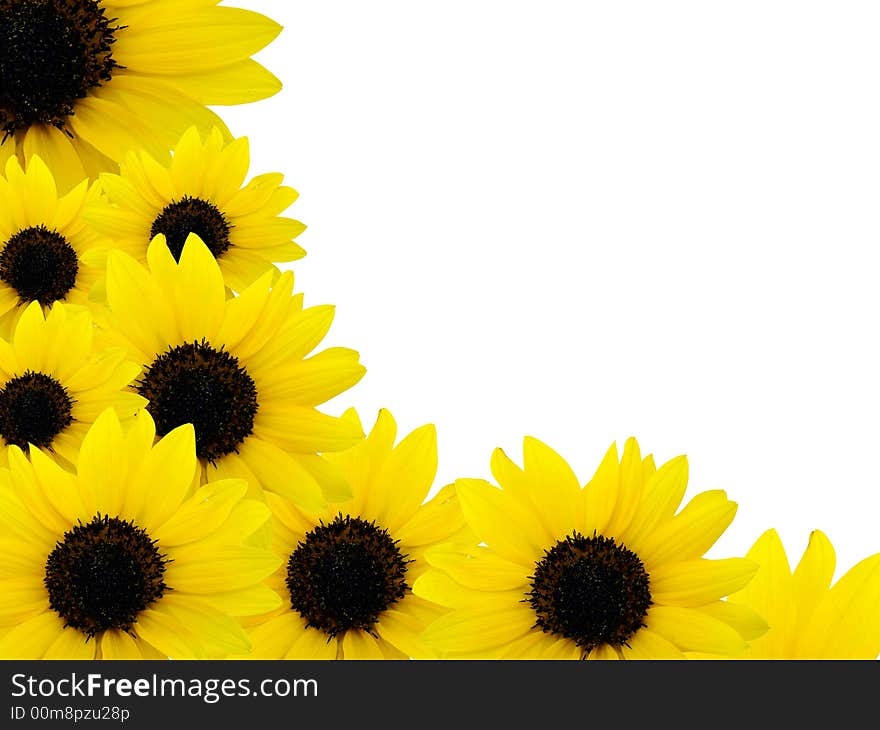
(348, 570)
(238, 369)
(201, 192)
(84, 81)
(808, 617)
(125, 559)
(609, 571)
(55, 381)
(44, 241)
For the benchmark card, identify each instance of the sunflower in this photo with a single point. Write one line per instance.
(809, 618)
(55, 381)
(235, 368)
(84, 81)
(44, 241)
(348, 570)
(201, 192)
(125, 559)
(610, 571)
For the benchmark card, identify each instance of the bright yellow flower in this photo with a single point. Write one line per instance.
(125, 559)
(348, 570)
(238, 369)
(46, 248)
(808, 617)
(202, 191)
(55, 381)
(84, 81)
(609, 571)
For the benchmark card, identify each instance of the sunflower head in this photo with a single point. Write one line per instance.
(127, 557)
(370, 563)
(607, 571)
(54, 53)
(202, 191)
(47, 251)
(239, 369)
(55, 380)
(809, 617)
(103, 574)
(349, 569)
(82, 82)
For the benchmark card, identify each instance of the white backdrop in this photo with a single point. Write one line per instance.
(589, 220)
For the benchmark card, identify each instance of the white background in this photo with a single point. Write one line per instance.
(589, 220)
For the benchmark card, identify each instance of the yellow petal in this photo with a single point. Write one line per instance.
(360, 645)
(406, 477)
(280, 473)
(56, 150)
(167, 634)
(313, 644)
(476, 629)
(403, 631)
(315, 380)
(31, 639)
(645, 644)
(305, 430)
(663, 494)
(600, 494)
(555, 489)
(742, 618)
(22, 598)
(238, 83)
(813, 575)
(199, 280)
(561, 649)
(201, 514)
(846, 623)
(771, 594)
(437, 520)
(691, 532)
(224, 568)
(171, 47)
(697, 582)
(251, 601)
(482, 570)
(692, 630)
(604, 652)
(72, 644)
(166, 475)
(273, 638)
(438, 587)
(119, 645)
(630, 489)
(221, 635)
(501, 522)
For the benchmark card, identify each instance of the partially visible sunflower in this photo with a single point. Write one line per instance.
(609, 571)
(238, 369)
(201, 191)
(348, 570)
(125, 559)
(44, 241)
(84, 81)
(808, 617)
(55, 381)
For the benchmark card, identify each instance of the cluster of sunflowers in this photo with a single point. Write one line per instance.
(168, 488)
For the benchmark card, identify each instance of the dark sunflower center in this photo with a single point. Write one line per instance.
(34, 409)
(51, 53)
(39, 264)
(101, 575)
(343, 575)
(192, 215)
(194, 383)
(590, 590)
